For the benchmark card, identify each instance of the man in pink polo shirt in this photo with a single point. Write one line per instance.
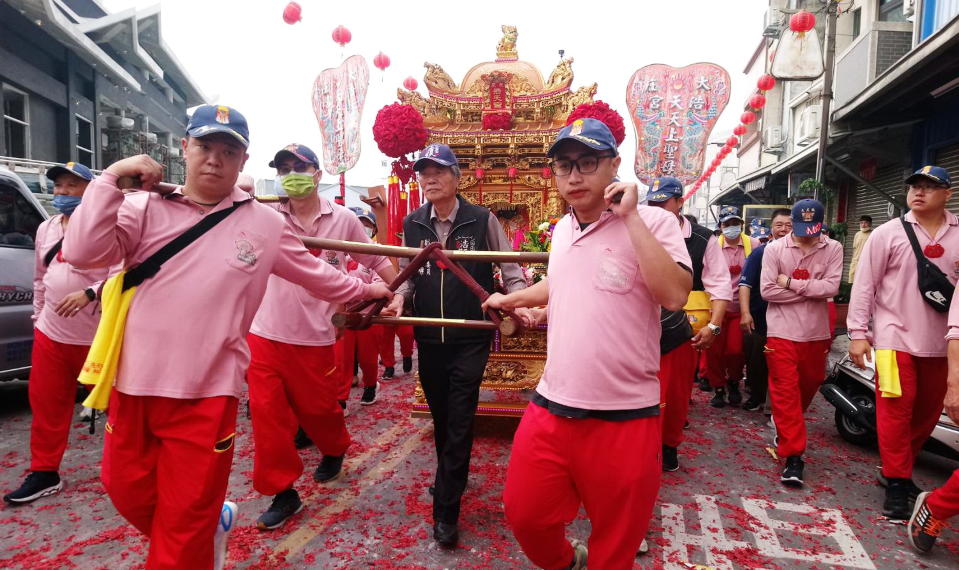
(907, 333)
(169, 437)
(677, 367)
(591, 435)
(293, 377)
(799, 272)
(724, 357)
(65, 315)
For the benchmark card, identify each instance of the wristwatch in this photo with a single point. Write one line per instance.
(90, 293)
(714, 328)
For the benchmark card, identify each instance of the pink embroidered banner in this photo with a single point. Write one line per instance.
(338, 97)
(674, 111)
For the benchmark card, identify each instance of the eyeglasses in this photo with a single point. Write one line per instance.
(299, 167)
(926, 187)
(585, 164)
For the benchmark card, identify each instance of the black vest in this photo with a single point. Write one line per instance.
(437, 293)
(696, 245)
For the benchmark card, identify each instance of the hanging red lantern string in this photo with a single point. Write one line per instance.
(747, 117)
(766, 82)
(480, 174)
(292, 13)
(757, 102)
(511, 174)
(802, 21)
(732, 142)
(740, 130)
(410, 83)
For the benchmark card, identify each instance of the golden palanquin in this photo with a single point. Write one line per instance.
(456, 115)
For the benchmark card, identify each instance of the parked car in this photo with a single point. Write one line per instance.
(20, 215)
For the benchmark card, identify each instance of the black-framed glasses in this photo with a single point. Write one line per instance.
(299, 167)
(926, 187)
(586, 164)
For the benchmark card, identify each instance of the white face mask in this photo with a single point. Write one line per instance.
(732, 231)
(278, 186)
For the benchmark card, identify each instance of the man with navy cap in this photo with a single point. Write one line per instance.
(908, 328)
(451, 360)
(799, 273)
(677, 365)
(65, 315)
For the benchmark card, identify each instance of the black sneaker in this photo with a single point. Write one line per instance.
(752, 405)
(670, 458)
(407, 364)
(388, 373)
(735, 396)
(924, 528)
(285, 504)
(301, 440)
(330, 469)
(792, 474)
(37, 484)
(719, 398)
(896, 505)
(369, 395)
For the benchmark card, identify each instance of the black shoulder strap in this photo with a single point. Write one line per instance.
(151, 265)
(911, 234)
(52, 253)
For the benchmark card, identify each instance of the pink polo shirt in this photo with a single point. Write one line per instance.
(603, 338)
(715, 271)
(886, 289)
(800, 313)
(186, 329)
(735, 257)
(953, 319)
(289, 313)
(54, 282)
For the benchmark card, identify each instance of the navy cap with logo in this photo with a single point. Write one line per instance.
(590, 132)
(758, 232)
(937, 174)
(299, 152)
(727, 213)
(210, 119)
(74, 168)
(664, 188)
(437, 154)
(807, 217)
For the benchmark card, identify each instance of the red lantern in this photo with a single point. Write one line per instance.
(739, 130)
(292, 13)
(732, 142)
(802, 21)
(342, 36)
(766, 82)
(547, 173)
(410, 84)
(757, 102)
(723, 152)
(747, 117)
(381, 61)
(480, 173)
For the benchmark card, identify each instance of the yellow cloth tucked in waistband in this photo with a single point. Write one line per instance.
(887, 369)
(100, 367)
(697, 301)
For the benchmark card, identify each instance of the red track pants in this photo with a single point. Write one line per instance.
(291, 385)
(905, 423)
(166, 465)
(796, 370)
(611, 468)
(676, 371)
(53, 392)
(724, 358)
(388, 339)
(944, 501)
(357, 345)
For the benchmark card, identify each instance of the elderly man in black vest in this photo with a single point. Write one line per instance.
(452, 360)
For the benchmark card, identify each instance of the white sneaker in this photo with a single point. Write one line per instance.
(643, 548)
(228, 516)
(579, 555)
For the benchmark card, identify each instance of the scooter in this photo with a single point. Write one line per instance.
(853, 393)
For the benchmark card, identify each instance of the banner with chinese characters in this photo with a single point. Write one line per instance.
(674, 111)
(338, 97)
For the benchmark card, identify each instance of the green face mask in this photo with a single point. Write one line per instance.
(298, 185)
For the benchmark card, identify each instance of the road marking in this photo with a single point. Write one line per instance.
(712, 542)
(303, 535)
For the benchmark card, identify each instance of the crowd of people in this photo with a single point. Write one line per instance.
(121, 269)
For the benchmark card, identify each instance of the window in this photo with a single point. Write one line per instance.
(16, 122)
(84, 141)
(856, 22)
(891, 11)
(18, 218)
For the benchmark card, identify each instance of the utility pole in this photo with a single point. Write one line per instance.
(832, 13)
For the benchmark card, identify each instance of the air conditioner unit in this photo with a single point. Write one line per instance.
(809, 124)
(773, 138)
(773, 23)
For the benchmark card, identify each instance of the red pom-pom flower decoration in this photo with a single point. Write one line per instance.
(603, 112)
(501, 121)
(398, 130)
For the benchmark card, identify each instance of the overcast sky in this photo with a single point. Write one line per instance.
(242, 54)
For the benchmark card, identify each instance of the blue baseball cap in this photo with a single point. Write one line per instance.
(74, 168)
(759, 232)
(297, 151)
(209, 119)
(589, 132)
(436, 153)
(937, 174)
(807, 216)
(729, 213)
(362, 215)
(664, 188)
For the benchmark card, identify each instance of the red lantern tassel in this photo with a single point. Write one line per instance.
(343, 187)
(510, 190)
(480, 191)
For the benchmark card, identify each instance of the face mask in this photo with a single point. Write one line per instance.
(66, 204)
(298, 185)
(732, 232)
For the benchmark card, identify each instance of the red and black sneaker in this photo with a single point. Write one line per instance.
(923, 527)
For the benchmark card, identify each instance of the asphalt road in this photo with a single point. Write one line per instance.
(724, 508)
